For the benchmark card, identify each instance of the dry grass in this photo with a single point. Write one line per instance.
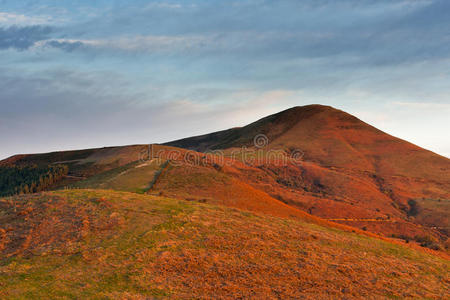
(133, 177)
(104, 244)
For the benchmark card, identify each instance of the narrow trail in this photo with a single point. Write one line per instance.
(158, 174)
(74, 177)
(363, 220)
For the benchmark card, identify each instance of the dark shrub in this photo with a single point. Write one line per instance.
(414, 208)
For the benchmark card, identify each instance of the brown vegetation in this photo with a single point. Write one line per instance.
(104, 244)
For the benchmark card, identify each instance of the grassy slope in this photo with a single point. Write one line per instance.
(93, 243)
(201, 181)
(230, 186)
(133, 177)
(83, 163)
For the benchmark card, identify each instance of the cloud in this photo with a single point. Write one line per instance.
(9, 19)
(63, 109)
(138, 43)
(423, 105)
(353, 32)
(22, 38)
(163, 5)
(129, 44)
(64, 45)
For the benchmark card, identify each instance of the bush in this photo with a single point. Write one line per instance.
(414, 208)
(428, 242)
(402, 236)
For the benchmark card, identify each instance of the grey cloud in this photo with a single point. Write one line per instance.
(63, 109)
(64, 45)
(373, 32)
(61, 92)
(22, 38)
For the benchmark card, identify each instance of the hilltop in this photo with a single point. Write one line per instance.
(330, 137)
(272, 126)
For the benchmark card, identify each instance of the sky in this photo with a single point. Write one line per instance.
(82, 74)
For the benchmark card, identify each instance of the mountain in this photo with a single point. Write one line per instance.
(309, 202)
(349, 162)
(330, 137)
(349, 172)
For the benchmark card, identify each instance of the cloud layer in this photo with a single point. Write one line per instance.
(22, 38)
(143, 71)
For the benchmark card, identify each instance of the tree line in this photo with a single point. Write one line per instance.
(29, 179)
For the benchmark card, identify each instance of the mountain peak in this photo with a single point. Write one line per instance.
(311, 107)
(306, 109)
(272, 126)
(298, 113)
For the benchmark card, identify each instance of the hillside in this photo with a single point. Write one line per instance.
(356, 170)
(82, 164)
(96, 243)
(347, 172)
